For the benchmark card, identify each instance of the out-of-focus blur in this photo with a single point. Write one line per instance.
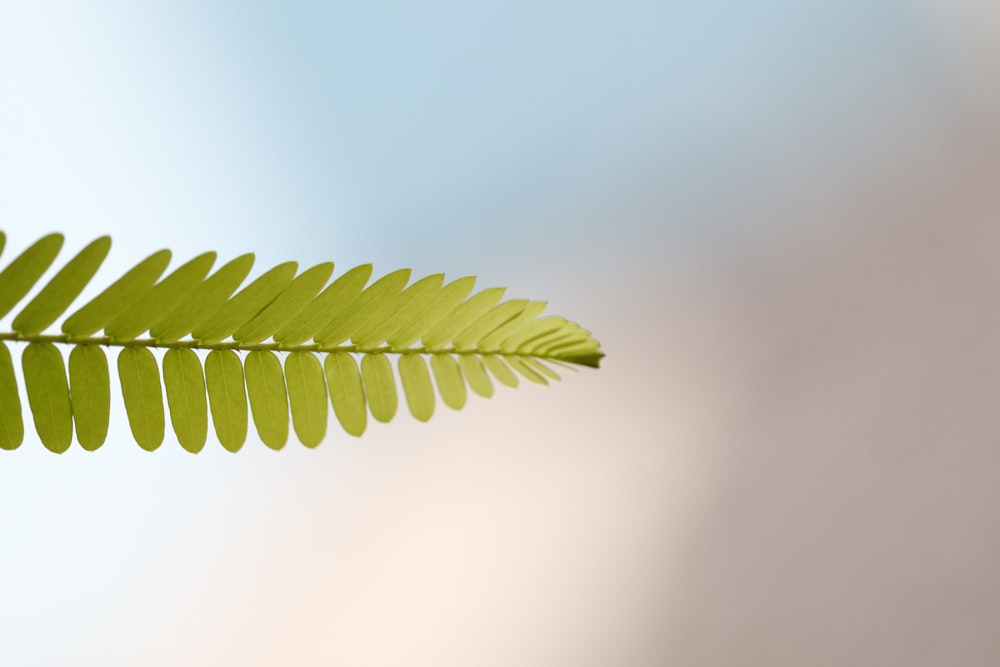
(781, 219)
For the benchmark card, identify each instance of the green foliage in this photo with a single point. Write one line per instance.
(321, 330)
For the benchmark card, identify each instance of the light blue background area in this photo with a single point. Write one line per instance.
(758, 207)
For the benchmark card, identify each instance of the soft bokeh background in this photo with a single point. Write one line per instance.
(781, 218)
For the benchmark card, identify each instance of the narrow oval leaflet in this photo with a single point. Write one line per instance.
(321, 310)
(569, 335)
(268, 398)
(204, 300)
(488, 322)
(20, 276)
(307, 397)
(234, 350)
(245, 304)
(380, 386)
(500, 370)
(476, 375)
(450, 384)
(11, 424)
(347, 394)
(160, 300)
(90, 389)
(540, 368)
(370, 303)
(227, 397)
(492, 341)
(143, 397)
(120, 296)
(185, 384)
(526, 338)
(417, 386)
(542, 348)
(443, 303)
(400, 310)
(518, 365)
(464, 315)
(287, 305)
(48, 395)
(64, 287)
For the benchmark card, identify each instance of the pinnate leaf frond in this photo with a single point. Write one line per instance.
(280, 351)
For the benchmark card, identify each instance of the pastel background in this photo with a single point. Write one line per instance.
(780, 218)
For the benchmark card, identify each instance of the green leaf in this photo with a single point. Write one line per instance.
(449, 380)
(475, 374)
(330, 302)
(401, 310)
(591, 359)
(541, 368)
(11, 425)
(472, 340)
(417, 386)
(493, 341)
(526, 338)
(160, 299)
(185, 385)
(489, 322)
(227, 397)
(517, 363)
(571, 334)
(288, 304)
(140, 380)
(48, 395)
(246, 304)
(380, 386)
(370, 304)
(60, 292)
(464, 315)
(346, 392)
(500, 370)
(203, 301)
(441, 304)
(3, 241)
(585, 351)
(307, 397)
(268, 399)
(21, 275)
(120, 295)
(90, 388)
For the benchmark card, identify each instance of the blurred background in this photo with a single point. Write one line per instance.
(780, 218)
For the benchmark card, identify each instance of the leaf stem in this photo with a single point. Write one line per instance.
(188, 344)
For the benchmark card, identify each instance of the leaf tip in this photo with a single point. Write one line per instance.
(593, 360)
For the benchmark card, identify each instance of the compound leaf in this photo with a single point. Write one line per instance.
(470, 340)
